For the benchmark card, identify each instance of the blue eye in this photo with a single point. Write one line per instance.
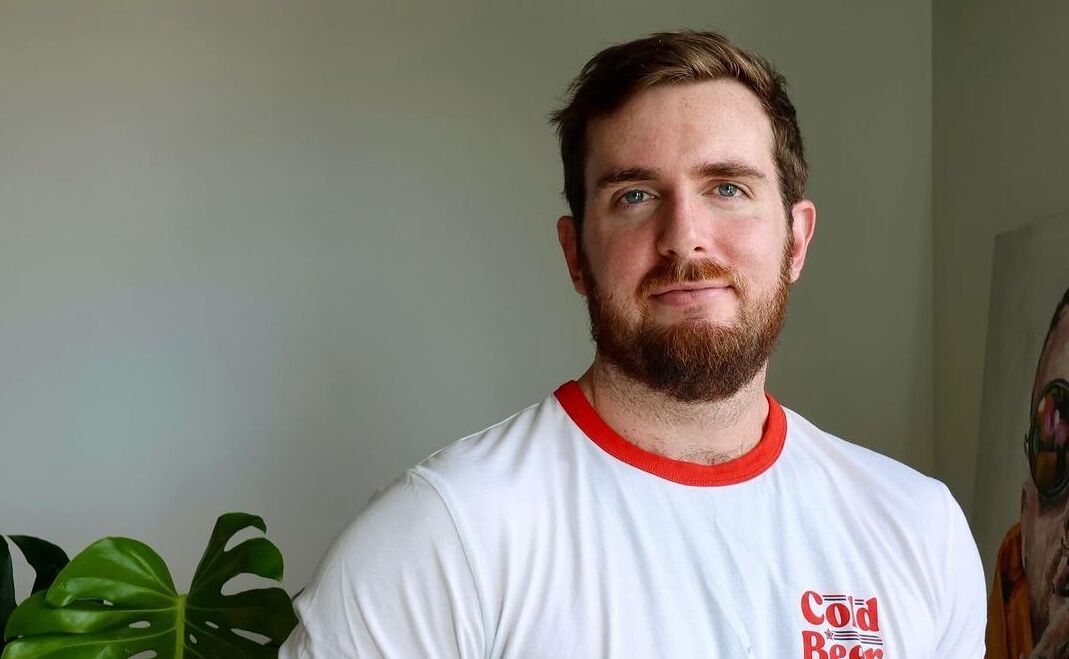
(634, 197)
(728, 190)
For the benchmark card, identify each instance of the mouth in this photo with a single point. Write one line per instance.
(690, 293)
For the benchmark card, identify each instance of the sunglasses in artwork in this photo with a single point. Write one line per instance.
(1047, 441)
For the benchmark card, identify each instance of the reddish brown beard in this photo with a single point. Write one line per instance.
(691, 361)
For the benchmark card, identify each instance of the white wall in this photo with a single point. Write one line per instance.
(263, 256)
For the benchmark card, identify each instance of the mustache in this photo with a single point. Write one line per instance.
(667, 273)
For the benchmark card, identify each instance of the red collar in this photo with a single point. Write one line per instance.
(742, 468)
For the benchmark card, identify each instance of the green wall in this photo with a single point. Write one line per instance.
(263, 256)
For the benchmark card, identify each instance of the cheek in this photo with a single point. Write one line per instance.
(755, 245)
(1043, 531)
(621, 264)
(760, 264)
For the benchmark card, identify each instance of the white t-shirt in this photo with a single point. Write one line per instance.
(549, 536)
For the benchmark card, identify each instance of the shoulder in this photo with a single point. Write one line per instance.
(918, 511)
(507, 453)
(409, 512)
(890, 492)
(857, 465)
(403, 547)
(471, 474)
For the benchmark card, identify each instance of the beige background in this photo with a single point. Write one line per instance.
(263, 256)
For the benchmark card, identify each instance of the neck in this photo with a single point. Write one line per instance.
(702, 432)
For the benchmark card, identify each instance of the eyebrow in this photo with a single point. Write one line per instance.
(723, 169)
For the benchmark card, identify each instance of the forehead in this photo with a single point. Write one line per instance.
(677, 127)
(1054, 362)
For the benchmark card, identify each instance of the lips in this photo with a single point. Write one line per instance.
(688, 287)
(690, 294)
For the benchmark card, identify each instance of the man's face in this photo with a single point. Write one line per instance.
(686, 254)
(1044, 525)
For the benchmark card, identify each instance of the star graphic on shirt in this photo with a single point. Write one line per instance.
(827, 632)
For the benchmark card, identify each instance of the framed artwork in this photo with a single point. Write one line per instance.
(1021, 502)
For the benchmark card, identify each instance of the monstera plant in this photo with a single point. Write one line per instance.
(45, 558)
(117, 599)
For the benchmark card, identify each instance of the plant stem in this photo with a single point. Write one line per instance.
(180, 628)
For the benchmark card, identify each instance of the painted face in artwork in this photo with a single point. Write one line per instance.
(1045, 499)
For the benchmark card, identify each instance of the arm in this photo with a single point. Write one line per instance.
(963, 604)
(396, 584)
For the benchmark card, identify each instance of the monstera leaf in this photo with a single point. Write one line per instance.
(117, 599)
(45, 558)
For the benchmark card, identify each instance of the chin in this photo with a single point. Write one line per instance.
(713, 321)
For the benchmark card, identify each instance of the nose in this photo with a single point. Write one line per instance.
(684, 231)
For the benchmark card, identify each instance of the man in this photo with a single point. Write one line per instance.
(1029, 604)
(663, 505)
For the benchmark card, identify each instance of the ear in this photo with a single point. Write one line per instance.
(803, 224)
(569, 244)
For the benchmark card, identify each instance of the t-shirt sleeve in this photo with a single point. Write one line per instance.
(396, 584)
(963, 601)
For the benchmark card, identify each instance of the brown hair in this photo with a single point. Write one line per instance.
(617, 73)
